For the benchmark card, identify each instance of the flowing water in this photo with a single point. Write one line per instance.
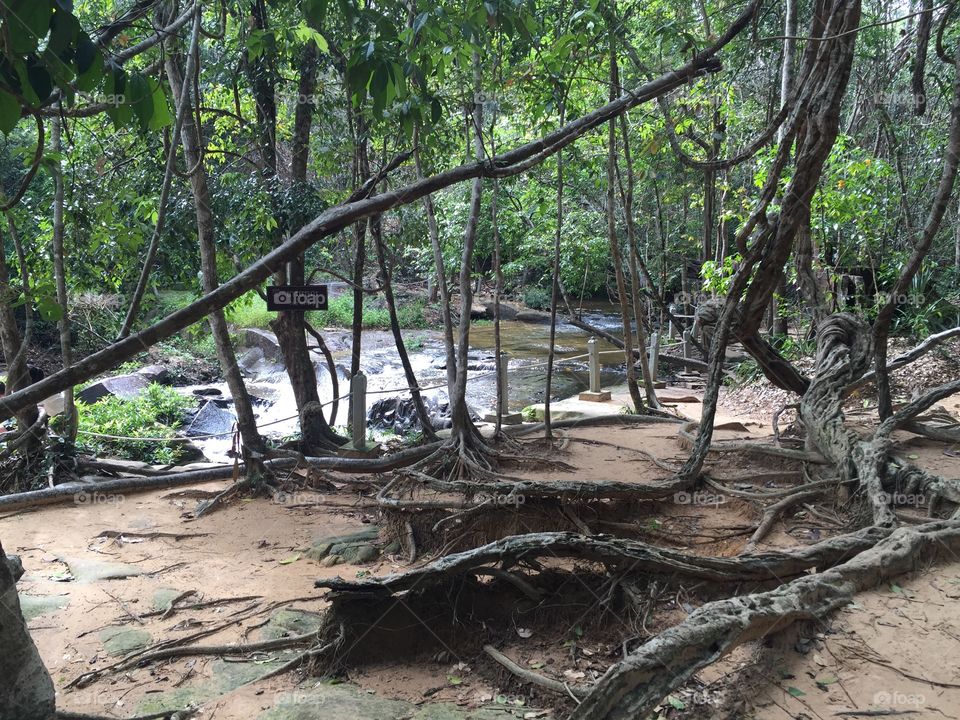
(526, 345)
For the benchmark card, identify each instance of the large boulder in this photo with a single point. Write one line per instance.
(533, 316)
(212, 419)
(507, 311)
(266, 341)
(123, 386)
(26, 691)
(400, 415)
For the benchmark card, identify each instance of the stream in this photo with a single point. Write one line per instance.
(525, 343)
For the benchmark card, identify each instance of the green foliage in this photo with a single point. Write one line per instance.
(718, 276)
(536, 297)
(46, 49)
(156, 412)
(375, 314)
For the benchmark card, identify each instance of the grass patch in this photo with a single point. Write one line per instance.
(375, 314)
(250, 311)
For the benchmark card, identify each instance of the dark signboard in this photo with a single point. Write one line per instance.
(297, 297)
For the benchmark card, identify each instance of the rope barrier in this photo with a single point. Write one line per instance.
(387, 391)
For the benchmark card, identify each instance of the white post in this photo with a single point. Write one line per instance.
(687, 345)
(504, 394)
(358, 410)
(653, 357)
(593, 353)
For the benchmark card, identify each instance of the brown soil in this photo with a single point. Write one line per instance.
(253, 547)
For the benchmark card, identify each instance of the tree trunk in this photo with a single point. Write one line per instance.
(442, 286)
(555, 281)
(13, 345)
(59, 271)
(190, 137)
(26, 690)
(612, 236)
(376, 234)
(463, 429)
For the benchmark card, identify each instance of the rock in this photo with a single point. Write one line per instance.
(507, 311)
(119, 641)
(207, 392)
(354, 548)
(211, 420)
(400, 415)
(478, 312)
(248, 361)
(35, 605)
(90, 571)
(533, 316)
(123, 386)
(287, 622)
(155, 373)
(340, 701)
(162, 597)
(265, 341)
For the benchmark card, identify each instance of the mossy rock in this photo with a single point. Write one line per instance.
(35, 605)
(354, 548)
(287, 622)
(118, 641)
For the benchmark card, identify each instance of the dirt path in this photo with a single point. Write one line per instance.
(88, 594)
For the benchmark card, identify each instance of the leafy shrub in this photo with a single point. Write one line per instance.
(156, 412)
(537, 298)
(339, 313)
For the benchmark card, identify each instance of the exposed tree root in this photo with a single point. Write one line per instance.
(771, 513)
(632, 688)
(530, 677)
(687, 440)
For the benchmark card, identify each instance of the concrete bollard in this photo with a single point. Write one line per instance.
(687, 345)
(503, 411)
(594, 394)
(358, 445)
(653, 356)
(593, 353)
(358, 410)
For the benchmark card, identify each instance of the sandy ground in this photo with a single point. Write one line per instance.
(897, 648)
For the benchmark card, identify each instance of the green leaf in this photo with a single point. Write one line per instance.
(454, 679)
(160, 117)
(27, 24)
(140, 98)
(9, 112)
(825, 681)
(796, 692)
(676, 703)
(290, 560)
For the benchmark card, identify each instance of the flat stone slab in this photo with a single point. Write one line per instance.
(162, 597)
(337, 702)
(354, 548)
(287, 622)
(348, 702)
(35, 605)
(119, 641)
(89, 571)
